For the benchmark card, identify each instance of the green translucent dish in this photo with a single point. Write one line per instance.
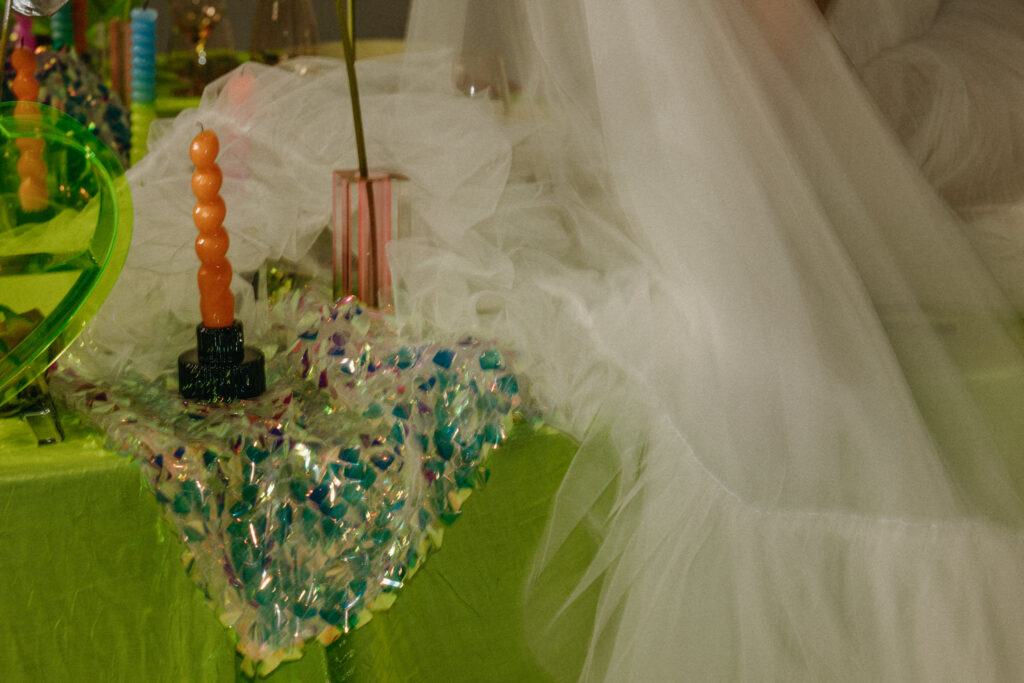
(57, 265)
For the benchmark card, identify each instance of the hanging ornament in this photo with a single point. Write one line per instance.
(38, 8)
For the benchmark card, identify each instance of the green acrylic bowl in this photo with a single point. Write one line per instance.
(57, 265)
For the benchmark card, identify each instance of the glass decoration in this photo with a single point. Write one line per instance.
(282, 29)
(38, 8)
(58, 260)
(368, 213)
(195, 19)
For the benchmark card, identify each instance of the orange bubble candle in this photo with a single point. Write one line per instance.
(32, 192)
(216, 302)
(221, 367)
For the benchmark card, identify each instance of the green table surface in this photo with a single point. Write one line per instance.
(93, 587)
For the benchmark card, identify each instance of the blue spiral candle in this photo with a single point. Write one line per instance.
(143, 78)
(62, 27)
(143, 63)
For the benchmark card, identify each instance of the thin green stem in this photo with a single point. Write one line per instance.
(346, 22)
(3, 34)
(350, 21)
(348, 45)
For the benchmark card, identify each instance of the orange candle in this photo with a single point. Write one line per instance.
(80, 23)
(32, 191)
(116, 42)
(216, 302)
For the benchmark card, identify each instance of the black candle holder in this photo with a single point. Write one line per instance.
(221, 367)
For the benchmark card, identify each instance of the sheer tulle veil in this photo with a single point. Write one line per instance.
(798, 387)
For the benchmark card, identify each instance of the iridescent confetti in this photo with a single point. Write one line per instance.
(307, 508)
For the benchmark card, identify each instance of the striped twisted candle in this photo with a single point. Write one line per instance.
(143, 78)
(62, 27)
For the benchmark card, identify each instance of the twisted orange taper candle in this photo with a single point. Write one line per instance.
(216, 302)
(32, 170)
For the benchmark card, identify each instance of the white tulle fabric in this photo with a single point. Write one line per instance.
(282, 133)
(948, 76)
(796, 381)
(797, 386)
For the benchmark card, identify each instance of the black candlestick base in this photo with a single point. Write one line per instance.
(221, 367)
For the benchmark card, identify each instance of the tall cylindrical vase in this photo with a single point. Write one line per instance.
(368, 213)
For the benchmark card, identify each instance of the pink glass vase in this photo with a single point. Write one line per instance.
(367, 215)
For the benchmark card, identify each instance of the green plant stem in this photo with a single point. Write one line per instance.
(3, 35)
(346, 22)
(350, 21)
(348, 45)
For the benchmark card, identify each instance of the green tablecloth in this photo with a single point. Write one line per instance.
(93, 588)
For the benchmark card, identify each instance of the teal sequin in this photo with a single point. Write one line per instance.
(491, 360)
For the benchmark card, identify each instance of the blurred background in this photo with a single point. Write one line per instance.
(375, 19)
(86, 67)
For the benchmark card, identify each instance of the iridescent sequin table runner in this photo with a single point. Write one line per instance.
(305, 509)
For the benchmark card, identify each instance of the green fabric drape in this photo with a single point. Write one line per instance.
(94, 588)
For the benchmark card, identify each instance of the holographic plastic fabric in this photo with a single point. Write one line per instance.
(306, 508)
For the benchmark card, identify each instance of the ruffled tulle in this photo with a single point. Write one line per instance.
(949, 77)
(790, 369)
(283, 132)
